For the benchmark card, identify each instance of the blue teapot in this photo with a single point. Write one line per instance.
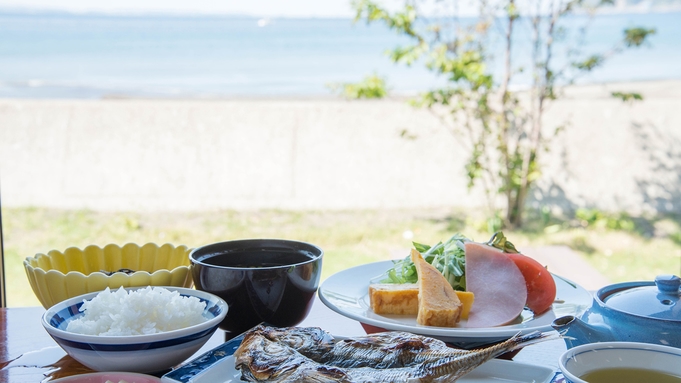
(630, 312)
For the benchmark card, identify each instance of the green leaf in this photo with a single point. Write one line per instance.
(590, 63)
(372, 86)
(500, 242)
(421, 248)
(627, 97)
(635, 37)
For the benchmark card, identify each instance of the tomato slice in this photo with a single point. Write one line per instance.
(541, 288)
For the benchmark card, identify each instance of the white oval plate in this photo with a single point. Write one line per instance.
(347, 293)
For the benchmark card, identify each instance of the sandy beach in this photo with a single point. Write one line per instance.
(295, 153)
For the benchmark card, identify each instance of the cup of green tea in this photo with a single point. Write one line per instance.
(271, 281)
(621, 362)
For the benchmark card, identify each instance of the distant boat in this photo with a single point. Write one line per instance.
(263, 22)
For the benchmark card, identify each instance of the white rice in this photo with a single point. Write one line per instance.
(145, 311)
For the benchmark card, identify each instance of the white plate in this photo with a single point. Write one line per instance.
(347, 293)
(217, 366)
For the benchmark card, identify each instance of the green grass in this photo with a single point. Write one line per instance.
(649, 246)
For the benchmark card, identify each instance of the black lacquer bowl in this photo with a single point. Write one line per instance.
(262, 280)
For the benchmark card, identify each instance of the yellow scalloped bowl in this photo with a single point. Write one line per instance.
(57, 275)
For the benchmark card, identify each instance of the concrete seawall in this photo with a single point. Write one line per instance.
(322, 154)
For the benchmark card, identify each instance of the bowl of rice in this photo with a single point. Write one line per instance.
(139, 329)
(59, 275)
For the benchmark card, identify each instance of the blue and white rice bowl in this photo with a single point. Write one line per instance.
(135, 353)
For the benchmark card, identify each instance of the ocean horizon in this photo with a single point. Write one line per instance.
(93, 56)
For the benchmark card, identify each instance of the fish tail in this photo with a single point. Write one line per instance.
(519, 341)
(452, 368)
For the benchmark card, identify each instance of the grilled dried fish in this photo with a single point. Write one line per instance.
(386, 350)
(313, 342)
(382, 350)
(263, 358)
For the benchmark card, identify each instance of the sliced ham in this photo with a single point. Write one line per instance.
(499, 286)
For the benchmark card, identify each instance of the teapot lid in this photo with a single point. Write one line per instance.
(660, 300)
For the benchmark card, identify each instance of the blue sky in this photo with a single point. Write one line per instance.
(276, 8)
(259, 8)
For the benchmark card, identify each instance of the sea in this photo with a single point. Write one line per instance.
(91, 56)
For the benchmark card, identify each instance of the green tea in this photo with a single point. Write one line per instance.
(629, 375)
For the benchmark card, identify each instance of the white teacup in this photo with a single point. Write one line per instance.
(587, 358)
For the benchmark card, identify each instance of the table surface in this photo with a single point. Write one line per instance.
(28, 353)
